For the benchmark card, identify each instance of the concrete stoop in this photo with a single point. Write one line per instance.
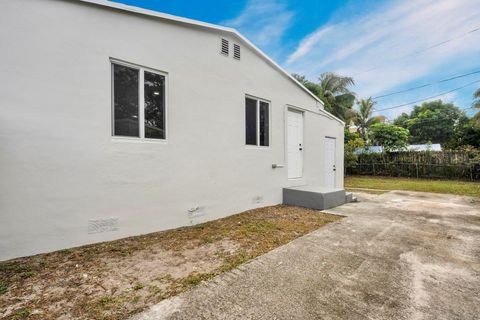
(316, 197)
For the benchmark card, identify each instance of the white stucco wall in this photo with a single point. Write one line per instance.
(59, 164)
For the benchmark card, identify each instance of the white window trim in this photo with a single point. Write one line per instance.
(258, 146)
(141, 103)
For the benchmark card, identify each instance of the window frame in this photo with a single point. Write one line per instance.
(141, 102)
(257, 109)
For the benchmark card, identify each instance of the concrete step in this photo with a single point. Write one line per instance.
(348, 197)
(314, 197)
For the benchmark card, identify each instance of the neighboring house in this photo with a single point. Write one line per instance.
(352, 128)
(119, 121)
(412, 147)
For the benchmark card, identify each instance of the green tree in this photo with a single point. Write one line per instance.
(389, 136)
(476, 101)
(402, 120)
(312, 87)
(467, 134)
(334, 91)
(363, 117)
(433, 121)
(476, 104)
(352, 143)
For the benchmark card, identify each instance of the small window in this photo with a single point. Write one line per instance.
(125, 101)
(236, 51)
(154, 89)
(263, 124)
(257, 119)
(138, 113)
(251, 121)
(225, 47)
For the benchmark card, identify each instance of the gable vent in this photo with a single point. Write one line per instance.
(236, 51)
(224, 49)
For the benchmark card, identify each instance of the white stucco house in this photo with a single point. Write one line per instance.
(118, 121)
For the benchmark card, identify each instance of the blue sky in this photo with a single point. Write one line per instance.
(372, 41)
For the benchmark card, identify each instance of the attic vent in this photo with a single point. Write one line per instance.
(236, 51)
(224, 47)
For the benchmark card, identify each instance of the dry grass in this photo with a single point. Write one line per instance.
(116, 279)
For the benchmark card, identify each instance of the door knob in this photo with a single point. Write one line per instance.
(300, 149)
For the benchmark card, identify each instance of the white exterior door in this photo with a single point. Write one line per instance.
(295, 144)
(329, 162)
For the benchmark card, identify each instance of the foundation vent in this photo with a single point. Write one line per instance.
(257, 199)
(196, 214)
(102, 225)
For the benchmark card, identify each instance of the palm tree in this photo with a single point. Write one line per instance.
(334, 92)
(476, 102)
(363, 118)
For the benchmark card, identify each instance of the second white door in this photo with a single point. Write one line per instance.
(329, 162)
(295, 144)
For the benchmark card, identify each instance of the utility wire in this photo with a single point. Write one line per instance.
(428, 98)
(423, 50)
(427, 85)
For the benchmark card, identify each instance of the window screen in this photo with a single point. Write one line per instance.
(154, 91)
(251, 121)
(125, 101)
(263, 123)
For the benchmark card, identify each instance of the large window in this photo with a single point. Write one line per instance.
(138, 102)
(257, 131)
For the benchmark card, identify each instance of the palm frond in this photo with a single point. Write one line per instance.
(476, 94)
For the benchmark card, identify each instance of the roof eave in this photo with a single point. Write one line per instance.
(169, 17)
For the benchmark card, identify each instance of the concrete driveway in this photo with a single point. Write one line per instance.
(400, 255)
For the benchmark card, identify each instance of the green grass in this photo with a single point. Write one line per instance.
(423, 185)
(3, 287)
(138, 286)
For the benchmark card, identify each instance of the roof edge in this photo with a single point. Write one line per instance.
(170, 17)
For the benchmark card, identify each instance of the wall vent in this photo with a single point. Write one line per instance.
(224, 48)
(196, 214)
(236, 51)
(257, 199)
(102, 225)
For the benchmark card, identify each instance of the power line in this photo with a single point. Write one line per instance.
(428, 84)
(428, 98)
(423, 50)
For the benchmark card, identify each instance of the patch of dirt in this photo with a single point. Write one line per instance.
(116, 279)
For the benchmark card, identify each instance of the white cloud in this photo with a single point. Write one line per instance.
(307, 43)
(382, 38)
(263, 22)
